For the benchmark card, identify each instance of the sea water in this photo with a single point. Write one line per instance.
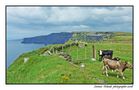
(15, 48)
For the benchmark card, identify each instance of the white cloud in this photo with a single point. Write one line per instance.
(56, 19)
(68, 14)
(59, 15)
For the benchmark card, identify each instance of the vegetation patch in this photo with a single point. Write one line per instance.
(53, 69)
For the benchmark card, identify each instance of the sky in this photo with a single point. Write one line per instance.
(34, 21)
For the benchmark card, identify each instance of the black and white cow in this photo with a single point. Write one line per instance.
(105, 54)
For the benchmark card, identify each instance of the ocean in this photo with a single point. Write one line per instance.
(15, 48)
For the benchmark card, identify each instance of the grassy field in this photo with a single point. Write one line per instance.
(55, 70)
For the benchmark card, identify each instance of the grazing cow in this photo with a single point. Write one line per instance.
(105, 54)
(120, 67)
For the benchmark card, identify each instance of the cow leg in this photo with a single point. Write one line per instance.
(122, 74)
(103, 70)
(117, 73)
(117, 76)
(106, 71)
(123, 77)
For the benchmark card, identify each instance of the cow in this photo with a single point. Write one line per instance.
(105, 54)
(118, 66)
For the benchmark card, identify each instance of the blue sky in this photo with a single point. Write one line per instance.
(34, 21)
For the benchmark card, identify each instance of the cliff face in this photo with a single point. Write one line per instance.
(54, 38)
(61, 38)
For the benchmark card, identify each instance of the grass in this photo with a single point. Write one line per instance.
(55, 70)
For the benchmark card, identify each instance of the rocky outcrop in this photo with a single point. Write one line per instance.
(66, 56)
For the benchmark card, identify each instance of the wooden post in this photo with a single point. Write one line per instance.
(94, 51)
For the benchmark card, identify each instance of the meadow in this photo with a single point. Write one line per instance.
(53, 69)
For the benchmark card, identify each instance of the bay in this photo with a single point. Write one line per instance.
(15, 48)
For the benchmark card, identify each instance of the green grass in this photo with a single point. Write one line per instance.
(55, 70)
(124, 39)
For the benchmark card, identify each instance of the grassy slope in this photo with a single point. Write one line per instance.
(54, 69)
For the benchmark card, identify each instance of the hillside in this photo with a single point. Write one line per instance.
(54, 69)
(62, 37)
(54, 38)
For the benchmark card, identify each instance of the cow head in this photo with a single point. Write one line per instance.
(128, 65)
(100, 52)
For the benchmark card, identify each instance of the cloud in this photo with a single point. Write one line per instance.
(59, 19)
(60, 15)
